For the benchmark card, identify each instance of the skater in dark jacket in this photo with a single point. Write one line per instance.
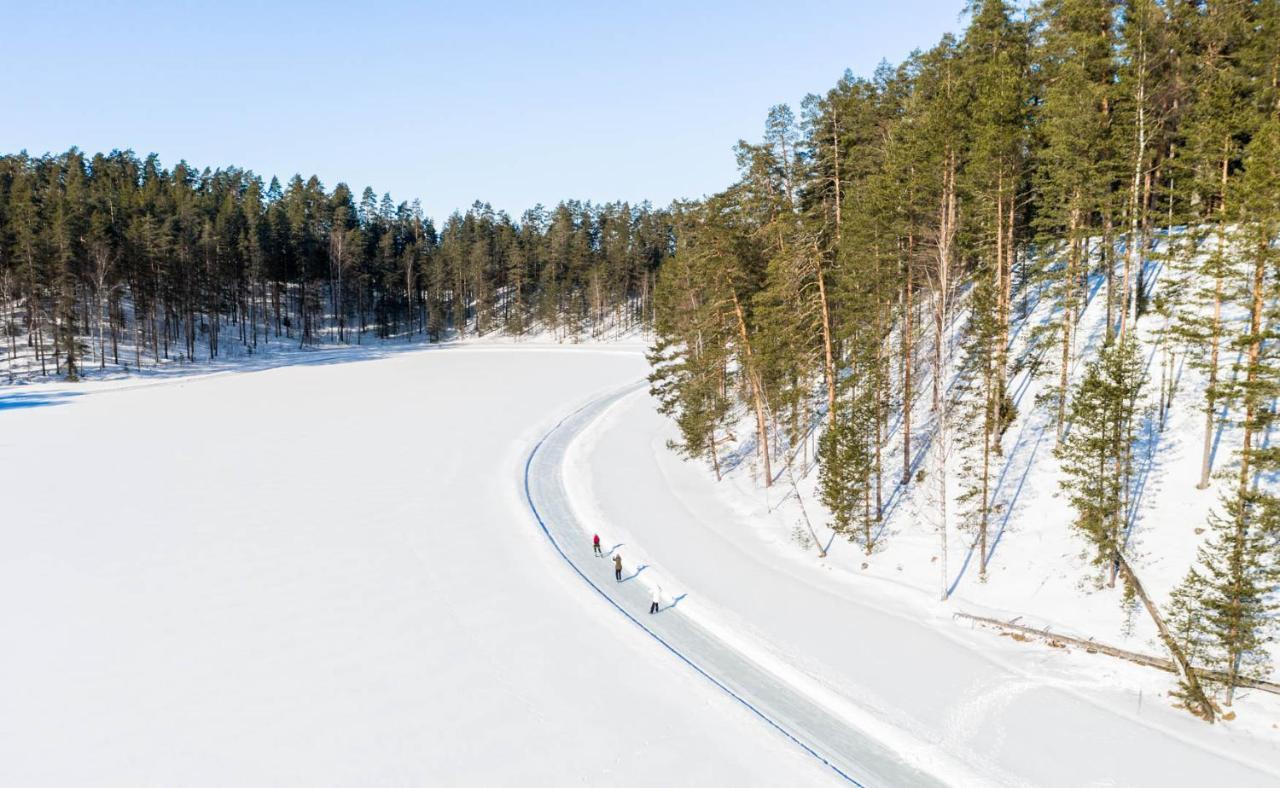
(595, 545)
(617, 566)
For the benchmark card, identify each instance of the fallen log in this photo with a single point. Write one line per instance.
(1093, 646)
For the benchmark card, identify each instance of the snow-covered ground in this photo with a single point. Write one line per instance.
(324, 574)
(319, 567)
(869, 630)
(128, 366)
(1014, 712)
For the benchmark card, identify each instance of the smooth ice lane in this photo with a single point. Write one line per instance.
(848, 752)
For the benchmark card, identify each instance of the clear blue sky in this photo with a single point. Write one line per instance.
(513, 103)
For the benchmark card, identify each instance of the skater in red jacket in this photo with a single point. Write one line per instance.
(595, 545)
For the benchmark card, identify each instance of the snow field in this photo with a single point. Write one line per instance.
(321, 575)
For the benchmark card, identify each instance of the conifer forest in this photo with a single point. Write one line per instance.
(113, 260)
(884, 249)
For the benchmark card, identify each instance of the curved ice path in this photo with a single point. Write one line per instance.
(853, 756)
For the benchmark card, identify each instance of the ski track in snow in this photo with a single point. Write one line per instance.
(852, 754)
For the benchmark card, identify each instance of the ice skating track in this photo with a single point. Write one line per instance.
(853, 756)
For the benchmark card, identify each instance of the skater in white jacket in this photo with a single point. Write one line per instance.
(656, 600)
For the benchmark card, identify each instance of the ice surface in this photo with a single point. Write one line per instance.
(324, 575)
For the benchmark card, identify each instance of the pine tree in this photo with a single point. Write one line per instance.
(693, 336)
(1257, 198)
(1214, 127)
(1097, 466)
(981, 403)
(996, 55)
(68, 228)
(1238, 567)
(1224, 603)
(1139, 134)
(1076, 74)
(111, 248)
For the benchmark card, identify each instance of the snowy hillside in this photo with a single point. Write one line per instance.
(871, 628)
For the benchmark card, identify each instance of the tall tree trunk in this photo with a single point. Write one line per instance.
(907, 331)
(1139, 159)
(1241, 535)
(1068, 315)
(828, 356)
(984, 501)
(1203, 706)
(946, 235)
(1210, 391)
(757, 395)
(1004, 273)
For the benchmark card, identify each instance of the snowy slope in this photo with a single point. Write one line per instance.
(323, 575)
(1014, 713)
(743, 554)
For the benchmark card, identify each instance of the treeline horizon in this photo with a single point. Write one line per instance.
(865, 281)
(110, 251)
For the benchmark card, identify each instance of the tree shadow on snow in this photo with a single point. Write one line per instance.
(830, 541)
(34, 399)
(674, 602)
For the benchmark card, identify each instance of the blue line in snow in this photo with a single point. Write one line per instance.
(1141, 487)
(547, 532)
(1222, 414)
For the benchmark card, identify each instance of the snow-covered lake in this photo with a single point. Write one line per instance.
(323, 575)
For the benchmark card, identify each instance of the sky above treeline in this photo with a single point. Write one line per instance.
(511, 103)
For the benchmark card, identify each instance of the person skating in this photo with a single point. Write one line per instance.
(595, 545)
(617, 566)
(656, 601)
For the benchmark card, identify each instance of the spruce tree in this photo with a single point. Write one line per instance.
(847, 460)
(1097, 453)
